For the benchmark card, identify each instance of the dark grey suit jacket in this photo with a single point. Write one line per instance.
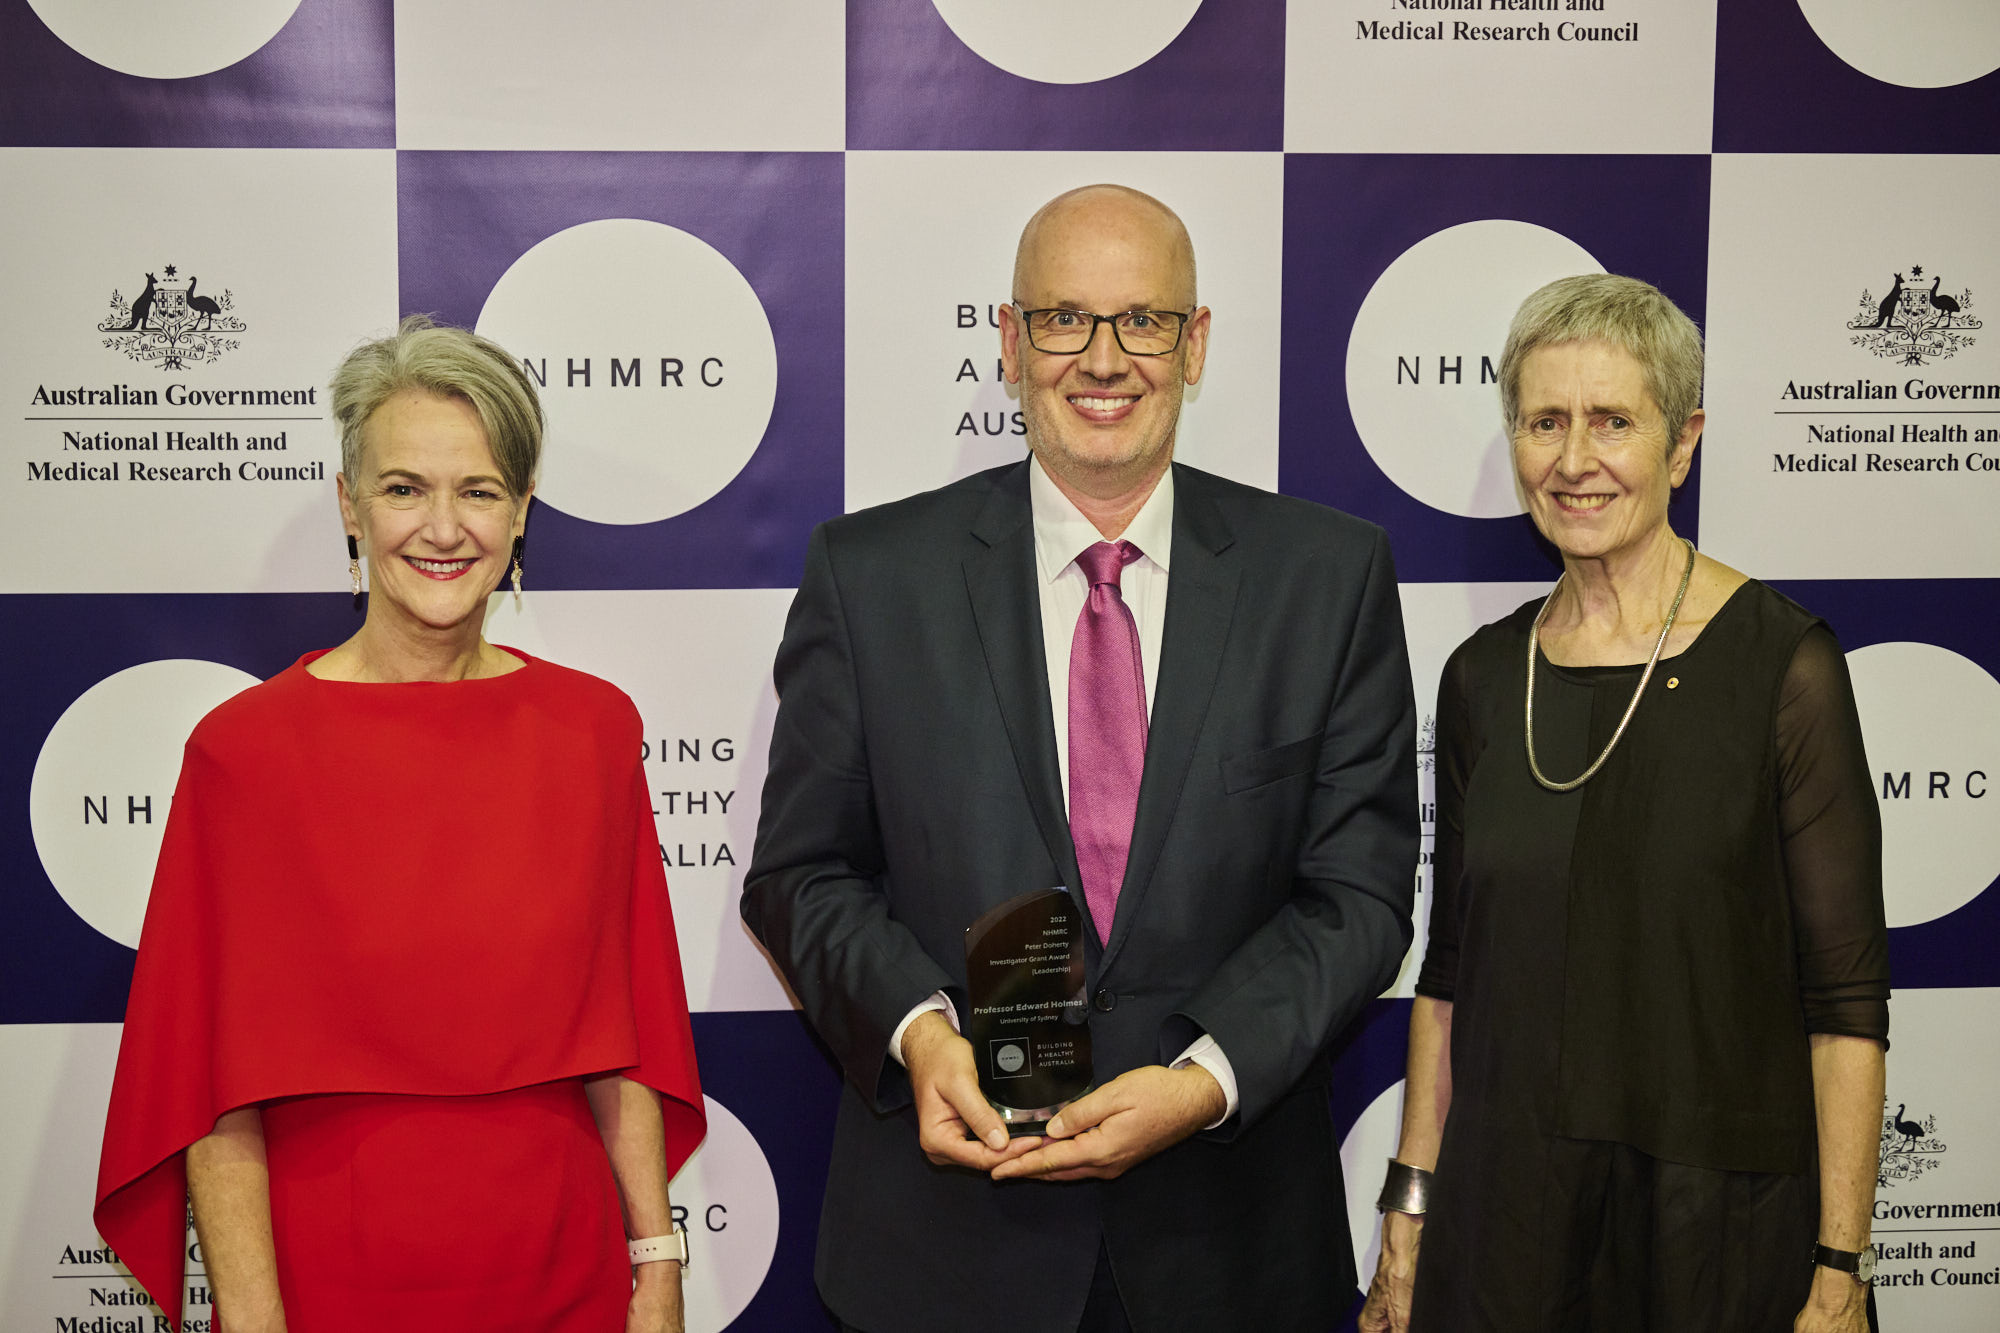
(913, 785)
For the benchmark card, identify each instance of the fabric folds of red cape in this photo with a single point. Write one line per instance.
(436, 889)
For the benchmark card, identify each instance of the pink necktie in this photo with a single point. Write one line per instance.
(1107, 730)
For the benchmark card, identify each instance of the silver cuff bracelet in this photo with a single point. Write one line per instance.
(1407, 1190)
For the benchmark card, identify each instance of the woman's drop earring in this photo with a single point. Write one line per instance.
(354, 568)
(520, 544)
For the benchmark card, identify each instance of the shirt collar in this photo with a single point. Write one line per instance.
(1062, 532)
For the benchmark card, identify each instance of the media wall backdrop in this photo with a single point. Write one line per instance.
(753, 249)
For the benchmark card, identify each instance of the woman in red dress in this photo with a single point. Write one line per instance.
(407, 1026)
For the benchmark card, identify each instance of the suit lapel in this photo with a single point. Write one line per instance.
(1000, 581)
(1201, 600)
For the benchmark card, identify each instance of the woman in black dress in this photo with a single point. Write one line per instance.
(1646, 1050)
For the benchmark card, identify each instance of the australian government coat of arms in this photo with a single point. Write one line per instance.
(171, 324)
(1914, 324)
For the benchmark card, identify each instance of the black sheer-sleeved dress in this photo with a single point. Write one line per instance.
(1634, 968)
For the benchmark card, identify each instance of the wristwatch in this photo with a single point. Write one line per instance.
(1858, 1265)
(672, 1248)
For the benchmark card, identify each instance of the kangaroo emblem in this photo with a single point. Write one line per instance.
(1887, 310)
(142, 307)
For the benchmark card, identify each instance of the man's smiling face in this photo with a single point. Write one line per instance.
(1101, 417)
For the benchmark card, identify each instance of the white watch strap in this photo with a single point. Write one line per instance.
(658, 1249)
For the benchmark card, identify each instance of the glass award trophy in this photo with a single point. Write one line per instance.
(1024, 976)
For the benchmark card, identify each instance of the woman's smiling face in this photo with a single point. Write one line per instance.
(434, 517)
(1591, 450)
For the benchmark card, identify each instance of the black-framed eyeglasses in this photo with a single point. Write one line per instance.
(1139, 332)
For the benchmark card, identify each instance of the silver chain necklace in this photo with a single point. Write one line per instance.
(1534, 642)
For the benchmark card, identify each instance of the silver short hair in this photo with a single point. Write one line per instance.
(453, 363)
(1629, 314)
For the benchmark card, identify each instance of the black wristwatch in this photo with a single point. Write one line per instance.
(1858, 1265)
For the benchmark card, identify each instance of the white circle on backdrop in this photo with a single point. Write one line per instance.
(114, 750)
(1069, 41)
(176, 41)
(732, 1221)
(1415, 359)
(656, 364)
(1914, 43)
(1364, 1154)
(1934, 715)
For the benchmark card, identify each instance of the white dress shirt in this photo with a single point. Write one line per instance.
(1061, 534)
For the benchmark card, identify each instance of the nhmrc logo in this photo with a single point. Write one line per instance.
(1910, 43)
(1423, 359)
(655, 361)
(1930, 719)
(1122, 34)
(727, 1199)
(164, 41)
(97, 804)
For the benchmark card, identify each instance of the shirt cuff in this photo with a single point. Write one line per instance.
(938, 1002)
(1206, 1053)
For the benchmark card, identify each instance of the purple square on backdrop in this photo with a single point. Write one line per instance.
(1220, 84)
(771, 1070)
(326, 80)
(1779, 89)
(1962, 615)
(1349, 217)
(54, 968)
(465, 217)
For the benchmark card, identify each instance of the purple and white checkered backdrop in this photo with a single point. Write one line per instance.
(752, 248)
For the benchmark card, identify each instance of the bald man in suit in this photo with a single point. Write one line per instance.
(1185, 701)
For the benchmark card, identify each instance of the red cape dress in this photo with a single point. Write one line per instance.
(410, 891)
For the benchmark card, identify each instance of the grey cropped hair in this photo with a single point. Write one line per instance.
(451, 362)
(1632, 315)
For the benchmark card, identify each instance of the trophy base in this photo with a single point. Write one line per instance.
(1024, 1121)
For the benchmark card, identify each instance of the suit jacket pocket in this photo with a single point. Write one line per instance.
(1262, 767)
